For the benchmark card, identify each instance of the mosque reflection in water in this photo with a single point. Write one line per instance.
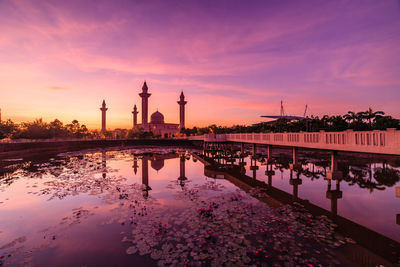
(156, 163)
(367, 173)
(361, 191)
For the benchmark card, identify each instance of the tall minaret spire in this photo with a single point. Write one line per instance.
(144, 95)
(182, 177)
(103, 116)
(182, 104)
(134, 112)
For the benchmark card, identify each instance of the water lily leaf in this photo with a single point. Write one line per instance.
(131, 250)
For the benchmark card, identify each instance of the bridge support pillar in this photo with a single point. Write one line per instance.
(334, 195)
(294, 164)
(269, 172)
(254, 150)
(295, 182)
(269, 155)
(254, 168)
(334, 173)
(397, 188)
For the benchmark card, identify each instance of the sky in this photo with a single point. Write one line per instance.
(234, 60)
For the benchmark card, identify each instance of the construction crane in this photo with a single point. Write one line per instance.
(282, 110)
(305, 110)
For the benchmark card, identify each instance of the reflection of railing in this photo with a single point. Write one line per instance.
(383, 142)
(377, 243)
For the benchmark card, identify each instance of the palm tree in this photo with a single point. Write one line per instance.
(387, 176)
(325, 120)
(350, 116)
(370, 114)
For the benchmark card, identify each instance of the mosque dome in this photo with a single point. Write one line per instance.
(157, 164)
(157, 117)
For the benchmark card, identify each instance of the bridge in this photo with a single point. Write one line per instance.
(376, 141)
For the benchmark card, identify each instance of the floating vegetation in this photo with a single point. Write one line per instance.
(202, 221)
(233, 229)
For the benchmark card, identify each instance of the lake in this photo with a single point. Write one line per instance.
(156, 207)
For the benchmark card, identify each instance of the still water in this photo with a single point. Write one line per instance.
(155, 206)
(368, 191)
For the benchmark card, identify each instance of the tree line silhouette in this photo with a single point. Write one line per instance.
(357, 121)
(40, 129)
(360, 121)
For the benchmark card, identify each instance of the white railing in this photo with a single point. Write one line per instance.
(382, 142)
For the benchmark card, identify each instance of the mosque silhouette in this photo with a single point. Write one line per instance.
(157, 126)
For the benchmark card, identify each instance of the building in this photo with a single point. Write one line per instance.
(157, 124)
(103, 117)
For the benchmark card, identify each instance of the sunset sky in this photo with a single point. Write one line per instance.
(234, 60)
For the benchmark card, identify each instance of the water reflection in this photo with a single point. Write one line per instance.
(104, 163)
(74, 179)
(295, 182)
(334, 195)
(135, 164)
(182, 177)
(347, 187)
(145, 176)
(319, 176)
(107, 189)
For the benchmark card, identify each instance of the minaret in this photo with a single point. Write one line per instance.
(145, 107)
(135, 164)
(104, 163)
(182, 177)
(134, 112)
(145, 177)
(103, 117)
(182, 104)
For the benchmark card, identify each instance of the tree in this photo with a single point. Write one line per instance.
(384, 122)
(356, 120)
(7, 128)
(57, 129)
(76, 130)
(370, 115)
(350, 117)
(387, 176)
(37, 129)
(337, 123)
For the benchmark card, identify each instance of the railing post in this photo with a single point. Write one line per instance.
(349, 137)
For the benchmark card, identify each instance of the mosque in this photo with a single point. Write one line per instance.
(156, 125)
